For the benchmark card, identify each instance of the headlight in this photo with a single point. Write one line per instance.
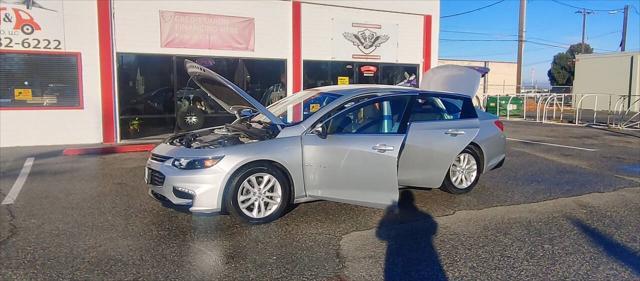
(195, 163)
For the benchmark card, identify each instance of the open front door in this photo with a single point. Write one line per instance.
(356, 161)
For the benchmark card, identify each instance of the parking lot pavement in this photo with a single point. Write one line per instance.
(549, 212)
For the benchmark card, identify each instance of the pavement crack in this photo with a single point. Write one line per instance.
(13, 229)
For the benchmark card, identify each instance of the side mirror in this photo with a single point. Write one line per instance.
(320, 130)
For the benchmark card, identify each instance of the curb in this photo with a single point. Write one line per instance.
(108, 149)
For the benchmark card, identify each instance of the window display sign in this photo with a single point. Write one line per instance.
(31, 25)
(206, 31)
(38, 80)
(364, 41)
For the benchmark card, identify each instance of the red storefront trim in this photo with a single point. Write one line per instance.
(79, 67)
(426, 51)
(105, 40)
(297, 54)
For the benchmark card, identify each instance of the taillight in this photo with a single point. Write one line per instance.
(500, 125)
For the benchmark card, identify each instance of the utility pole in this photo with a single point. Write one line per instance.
(584, 13)
(624, 28)
(521, 32)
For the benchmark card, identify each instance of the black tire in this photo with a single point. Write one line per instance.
(234, 186)
(449, 186)
(191, 118)
(27, 29)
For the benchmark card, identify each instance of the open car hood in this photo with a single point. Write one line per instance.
(225, 93)
(454, 79)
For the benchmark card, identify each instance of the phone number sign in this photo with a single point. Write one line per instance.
(32, 26)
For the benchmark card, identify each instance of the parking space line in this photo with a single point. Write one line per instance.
(553, 144)
(17, 186)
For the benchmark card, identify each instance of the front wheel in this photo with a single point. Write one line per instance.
(463, 173)
(258, 194)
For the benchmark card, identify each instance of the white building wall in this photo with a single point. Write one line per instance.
(137, 26)
(409, 16)
(51, 127)
(317, 31)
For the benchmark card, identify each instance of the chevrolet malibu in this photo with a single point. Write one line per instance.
(353, 144)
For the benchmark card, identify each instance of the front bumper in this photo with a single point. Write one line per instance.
(200, 190)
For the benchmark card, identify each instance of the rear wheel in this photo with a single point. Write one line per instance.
(27, 29)
(258, 194)
(463, 173)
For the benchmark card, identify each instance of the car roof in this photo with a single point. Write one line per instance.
(360, 88)
(356, 89)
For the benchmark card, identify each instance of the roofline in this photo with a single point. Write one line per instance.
(612, 54)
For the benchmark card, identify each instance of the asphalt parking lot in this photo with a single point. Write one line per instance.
(566, 205)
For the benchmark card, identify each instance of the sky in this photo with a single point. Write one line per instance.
(547, 22)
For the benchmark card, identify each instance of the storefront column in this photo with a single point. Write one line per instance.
(297, 54)
(105, 40)
(426, 51)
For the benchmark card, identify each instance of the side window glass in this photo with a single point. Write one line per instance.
(379, 116)
(436, 108)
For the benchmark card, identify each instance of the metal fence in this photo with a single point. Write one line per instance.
(617, 111)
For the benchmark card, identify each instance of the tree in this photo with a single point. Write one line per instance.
(563, 65)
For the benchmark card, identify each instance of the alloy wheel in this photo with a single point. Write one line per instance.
(191, 119)
(463, 171)
(259, 195)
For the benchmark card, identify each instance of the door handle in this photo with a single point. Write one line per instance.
(382, 148)
(454, 132)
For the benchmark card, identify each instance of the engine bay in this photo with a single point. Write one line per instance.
(227, 135)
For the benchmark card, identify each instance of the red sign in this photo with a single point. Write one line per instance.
(206, 31)
(368, 70)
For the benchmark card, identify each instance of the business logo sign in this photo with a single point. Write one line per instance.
(29, 24)
(367, 40)
(206, 31)
(364, 41)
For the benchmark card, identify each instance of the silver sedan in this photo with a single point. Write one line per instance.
(354, 144)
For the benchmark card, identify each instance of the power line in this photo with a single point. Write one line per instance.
(604, 34)
(560, 45)
(495, 54)
(471, 11)
(537, 62)
(588, 9)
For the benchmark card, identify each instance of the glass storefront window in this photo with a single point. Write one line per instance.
(169, 102)
(145, 95)
(40, 80)
(325, 73)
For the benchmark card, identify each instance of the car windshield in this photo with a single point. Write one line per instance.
(309, 102)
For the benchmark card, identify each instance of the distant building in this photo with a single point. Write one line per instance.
(500, 80)
(610, 80)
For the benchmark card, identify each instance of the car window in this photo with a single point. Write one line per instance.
(376, 116)
(436, 108)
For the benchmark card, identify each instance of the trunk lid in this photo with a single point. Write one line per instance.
(454, 79)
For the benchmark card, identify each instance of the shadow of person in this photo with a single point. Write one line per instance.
(409, 234)
(615, 249)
